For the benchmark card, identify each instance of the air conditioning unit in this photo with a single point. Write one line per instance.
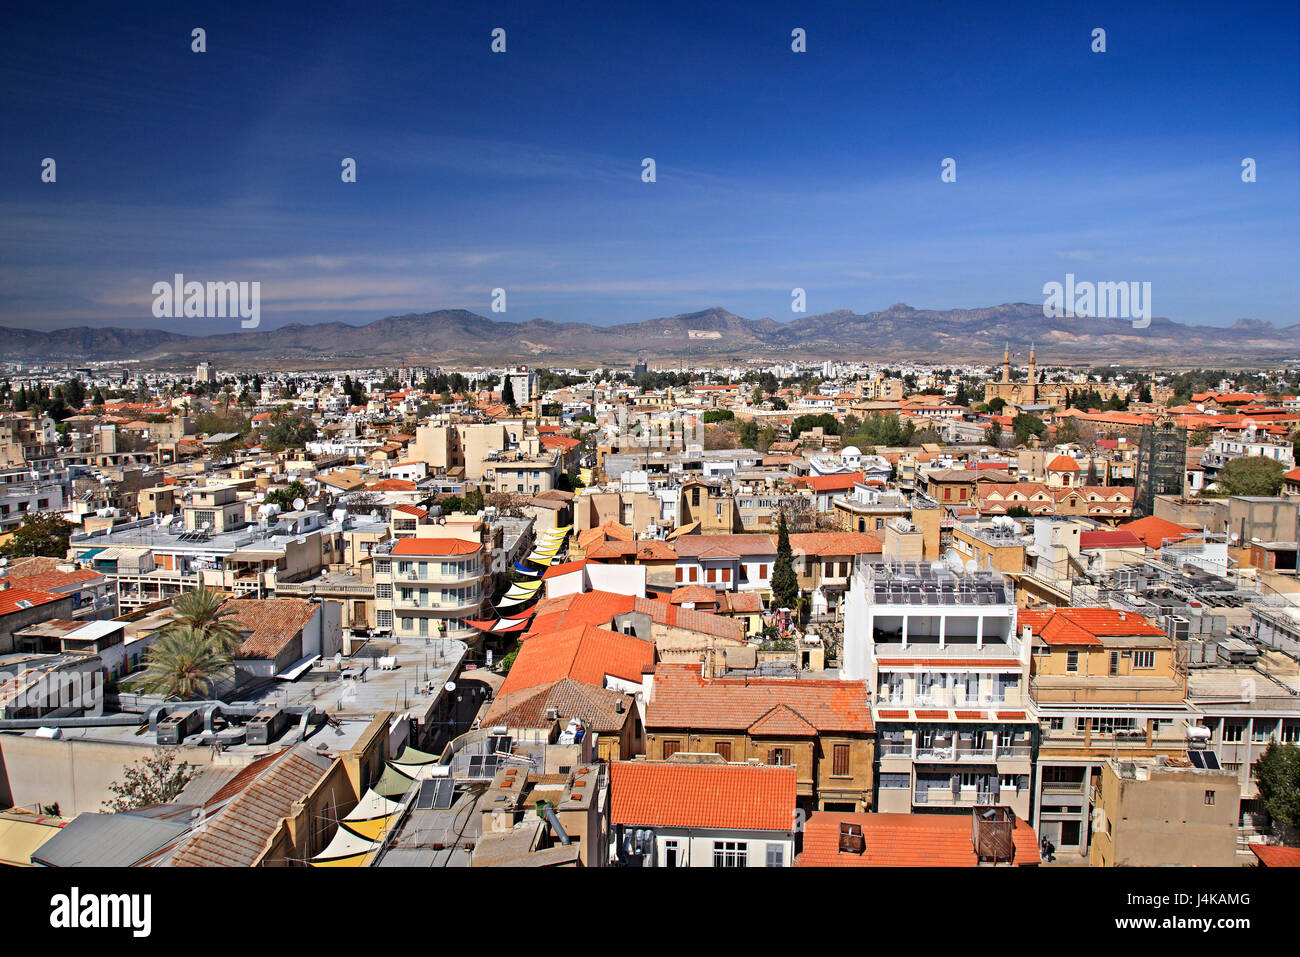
(176, 727)
(266, 726)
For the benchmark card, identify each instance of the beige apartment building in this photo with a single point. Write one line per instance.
(464, 445)
(1105, 684)
(427, 587)
(521, 473)
(1155, 812)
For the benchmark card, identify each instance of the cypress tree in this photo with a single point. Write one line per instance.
(785, 585)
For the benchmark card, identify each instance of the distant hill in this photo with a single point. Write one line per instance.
(899, 332)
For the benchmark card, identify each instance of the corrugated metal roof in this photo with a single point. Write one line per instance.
(107, 840)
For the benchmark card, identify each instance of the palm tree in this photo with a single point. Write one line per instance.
(183, 664)
(202, 611)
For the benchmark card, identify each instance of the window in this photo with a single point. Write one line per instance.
(1056, 724)
(1071, 661)
(1144, 659)
(1112, 725)
(1290, 732)
(680, 573)
(840, 762)
(713, 575)
(726, 574)
(1209, 798)
(779, 756)
(671, 747)
(775, 855)
(895, 781)
(672, 851)
(723, 748)
(384, 619)
(1262, 730)
(1233, 731)
(730, 854)
(384, 566)
(762, 571)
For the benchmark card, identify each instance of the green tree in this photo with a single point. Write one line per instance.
(508, 393)
(717, 415)
(155, 779)
(1026, 424)
(183, 664)
(1252, 475)
(785, 584)
(203, 611)
(1277, 772)
(44, 534)
(997, 404)
(284, 497)
(993, 435)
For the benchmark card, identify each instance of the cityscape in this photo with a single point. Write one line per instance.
(388, 481)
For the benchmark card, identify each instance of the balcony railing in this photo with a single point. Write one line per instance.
(905, 749)
(945, 796)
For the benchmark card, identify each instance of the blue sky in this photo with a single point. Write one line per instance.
(523, 170)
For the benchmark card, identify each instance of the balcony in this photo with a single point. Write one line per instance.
(945, 797)
(1105, 689)
(985, 754)
(451, 608)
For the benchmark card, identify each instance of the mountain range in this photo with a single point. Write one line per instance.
(452, 336)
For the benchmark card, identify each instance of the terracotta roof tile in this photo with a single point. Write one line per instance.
(683, 699)
(720, 796)
(903, 840)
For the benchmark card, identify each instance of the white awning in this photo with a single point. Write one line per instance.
(297, 668)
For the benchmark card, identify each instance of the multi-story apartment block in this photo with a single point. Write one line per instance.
(520, 474)
(427, 587)
(1105, 684)
(948, 679)
(1246, 700)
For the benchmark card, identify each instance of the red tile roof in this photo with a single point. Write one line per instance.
(720, 796)
(683, 699)
(833, 483)
(585, 653)
(695, 593)
(1156, 532)
(582, 608)
(1085, 626)
(1270, 856)
(391, 485)
(903, 840)
(11, 598)
(1063, 463)
(835, 543)
(1109, 538)
(435, 546)
(564, 568)
(272, 623)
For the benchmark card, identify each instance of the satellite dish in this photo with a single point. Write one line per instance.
(971, 566)
(298, 504)
(449, 687)
(339, 514)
